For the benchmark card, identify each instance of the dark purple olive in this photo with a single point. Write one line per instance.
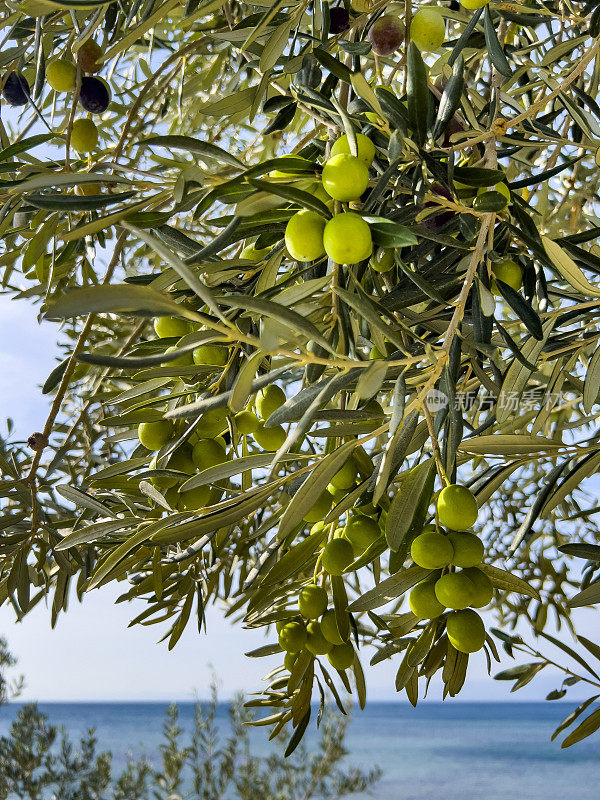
(386, 35)
(453, 126)
(94, 95)
(16, 89)
(339, 19)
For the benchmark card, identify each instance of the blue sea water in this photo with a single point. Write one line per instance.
(456, 751)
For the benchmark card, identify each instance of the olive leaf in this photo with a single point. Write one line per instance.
(389, 589)
(414, 492)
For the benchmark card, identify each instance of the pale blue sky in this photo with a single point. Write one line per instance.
(93, 655)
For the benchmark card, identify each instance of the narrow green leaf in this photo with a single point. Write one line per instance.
(495, 51)
(275, 46)
(95, 531)
(242, 387)
(117, 298)
(298, 734)
(288, 192)
(387, 233)
(69, 202)
(591, 386)
(361, 684)
(591, 647)
(192, 280)
(295, 559)
(182, 619)
(191, 145)
(586, 728)
(413, 485)
(394, 454)
(25, 144)
(55, 376)
(509, 582)
(417, 93)
(465, 36)
(313, 487)
(568, 268)
(157, 497)
(517, 375)
(236, 466)
(290, 165)
(280, 313)
(294, 408)
(522, 309)
(573, 716)
(116, 556)
(265, 650)
(582, 550)
(371, 380)
(587, 597)
(478, 176)
(509, 444)
(333, 64)
(451, 97)
(584, 468)
(83, 499)
(515, 672)
(230, 104)
(363, 305)
(390, 589)
(364, 90)
(340, 604)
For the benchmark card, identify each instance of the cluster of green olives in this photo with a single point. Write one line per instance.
(459, 589)
(346, 237)
(198, 454)
(206, 445)
(316, 627)
(319, 636)
(361, 530)
(349, 542)
(94, 92)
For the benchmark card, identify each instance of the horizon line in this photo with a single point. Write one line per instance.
(227, 700)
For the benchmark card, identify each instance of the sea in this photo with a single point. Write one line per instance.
(454, 751)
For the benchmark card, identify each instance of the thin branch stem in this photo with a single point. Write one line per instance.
(64, 385)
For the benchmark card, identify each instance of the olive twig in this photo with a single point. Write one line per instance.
(64, 385)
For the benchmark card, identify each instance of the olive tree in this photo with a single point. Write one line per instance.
(326, 282)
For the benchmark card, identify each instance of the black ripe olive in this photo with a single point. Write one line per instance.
(16, 89)
(94, 95)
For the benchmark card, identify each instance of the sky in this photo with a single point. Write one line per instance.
(93, 655)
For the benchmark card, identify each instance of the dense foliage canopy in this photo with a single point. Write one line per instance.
(366, 235)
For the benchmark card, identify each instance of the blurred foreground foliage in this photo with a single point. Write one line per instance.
(38, 760)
